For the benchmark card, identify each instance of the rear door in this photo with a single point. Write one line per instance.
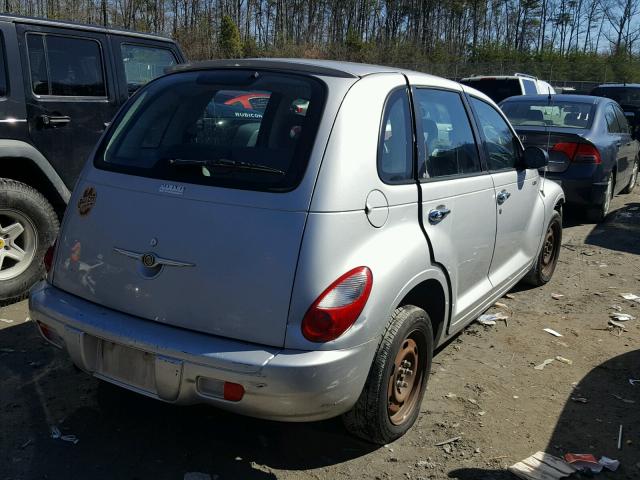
(627, 149)
(519, 222)
(459, 215)
(70, 93)
(137, 60)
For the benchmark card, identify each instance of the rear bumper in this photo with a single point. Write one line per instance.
(184, 367)
(580, 184)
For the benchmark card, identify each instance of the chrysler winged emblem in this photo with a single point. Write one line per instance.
(151, 260)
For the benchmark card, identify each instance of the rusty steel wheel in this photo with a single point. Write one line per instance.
(550, 249)
(405, 382)
(390, 400)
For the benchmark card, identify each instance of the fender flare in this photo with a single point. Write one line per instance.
(430, 273)
(20, 149)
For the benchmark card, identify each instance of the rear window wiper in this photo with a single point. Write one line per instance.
(224, 163)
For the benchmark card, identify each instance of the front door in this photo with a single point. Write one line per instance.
(457, 196)
(69, 94)
(519, 222)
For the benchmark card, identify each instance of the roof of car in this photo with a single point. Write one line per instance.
(79, 26)
(332, 68)
(560, 97)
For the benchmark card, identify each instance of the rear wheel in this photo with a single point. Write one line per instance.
(28, 225)
(545, 265)
(390, 401)
(600, 212)
(634, 178)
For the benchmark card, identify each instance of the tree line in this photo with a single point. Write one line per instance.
(570, 39)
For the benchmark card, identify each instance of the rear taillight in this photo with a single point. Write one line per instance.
(578, 152)
(48, 257)
(338, 307)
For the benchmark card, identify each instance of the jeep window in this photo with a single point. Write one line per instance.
(395, 150)
(449, 146)
(496, 88)
(3, 69)
(143, 63)
(65, 66)
(501, 146)
(625, 96)
(180, 128)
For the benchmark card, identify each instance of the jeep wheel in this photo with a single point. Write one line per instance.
(390, 401)
(28, 226)
(545, 264)
(634, 178)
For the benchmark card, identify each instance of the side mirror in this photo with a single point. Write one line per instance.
(535, 157)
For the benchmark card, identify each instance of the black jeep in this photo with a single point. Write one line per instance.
(60, 85)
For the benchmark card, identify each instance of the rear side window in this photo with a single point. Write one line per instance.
(622, 120)
(529, 87)
(500, 144)
(143, 63)
(612, 121)
(395, 151)
(187, 127)
(449, 146)
(65, 66)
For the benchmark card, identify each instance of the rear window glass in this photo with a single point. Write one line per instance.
(554, 114)
(237, 129)
(496, 88)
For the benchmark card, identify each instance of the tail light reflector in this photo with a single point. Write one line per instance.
(338, 307)
(48, 257)
(579, 152)
(233, 391)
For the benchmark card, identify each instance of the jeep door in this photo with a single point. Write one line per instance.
(519, 208)
(457, 196)
(69, 93)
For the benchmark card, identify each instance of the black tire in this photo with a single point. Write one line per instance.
(634, 178)
(370, 418)
(600, 212)
(545, 264)
(27, 202)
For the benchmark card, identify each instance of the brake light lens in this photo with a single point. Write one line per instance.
(578, 152)
(338, 307)
(48, 257)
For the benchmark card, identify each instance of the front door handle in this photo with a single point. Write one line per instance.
(437, 214)
(54, 120)
(503, 196)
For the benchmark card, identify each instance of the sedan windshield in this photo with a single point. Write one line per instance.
(236, 129)
(560, 114)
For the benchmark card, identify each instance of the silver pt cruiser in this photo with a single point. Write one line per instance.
(291, 239)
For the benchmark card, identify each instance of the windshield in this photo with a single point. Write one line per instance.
(219, 127)
(625, 96)
(497, 89)
(555, 114)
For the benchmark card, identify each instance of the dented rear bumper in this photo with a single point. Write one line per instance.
(186, 367)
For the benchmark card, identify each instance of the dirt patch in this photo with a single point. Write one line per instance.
(484, 389)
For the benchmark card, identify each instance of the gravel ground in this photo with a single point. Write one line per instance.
(484, 389)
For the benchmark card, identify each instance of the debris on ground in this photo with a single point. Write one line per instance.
(617, 324)
(197, 476)
(501, 305)
(625, 400)
(609, 463)
(620, 438)
(617, 308)
(622, 317)
(579, 399)
(544, 364)
(542, 466)
(552, 332)
(633, 381)
(557, 296)
(510, 296)
(447, 441)
(489, 319)
(57, 434)
(6, 320)
(564, 360)
(584, 462)
(631, 297)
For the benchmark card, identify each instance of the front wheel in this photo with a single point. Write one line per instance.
(28, 225)
(634, 178)
(390, 401)
(545, 264)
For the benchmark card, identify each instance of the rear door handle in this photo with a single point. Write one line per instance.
(438, 214)
(503, 196)
(54, 120)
